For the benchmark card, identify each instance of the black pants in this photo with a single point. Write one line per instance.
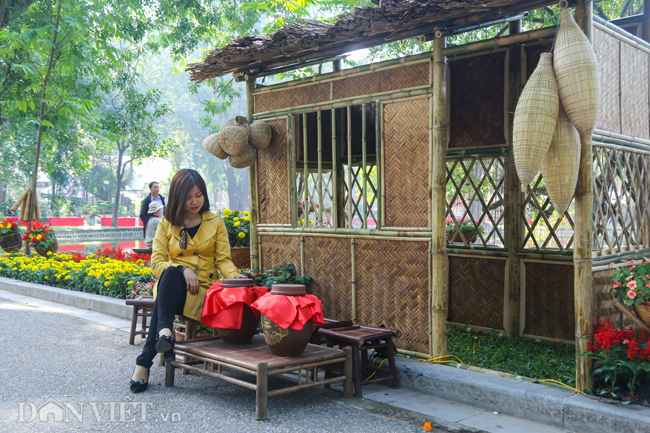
(172, 292)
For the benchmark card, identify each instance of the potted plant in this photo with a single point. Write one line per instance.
(632, 287)
(466, 227)
(41, 237)
(10, 239)
(238, 227)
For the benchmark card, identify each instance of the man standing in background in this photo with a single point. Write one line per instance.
(154, 188)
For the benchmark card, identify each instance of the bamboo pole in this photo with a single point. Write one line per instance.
(333, 235)
(364, 163)
(302, 256)
(350, 219)
(353, 273)
(37, 207)
(334, 175)
(584, 199)
(624, 35)
(351, 232)
(379, 163)
(645, 25)
(293, 199)
(513, 195)
(438, 169)
(305, 175)
(627, 138)
(27, 206)
(347, 102)
(320, 168)
(252, 182)
(500, 42)
(625, 145)
(20, 201)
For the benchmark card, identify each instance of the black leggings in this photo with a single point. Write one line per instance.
(172, 292)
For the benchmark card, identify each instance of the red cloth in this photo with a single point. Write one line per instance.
(290, 311)
(223, 306)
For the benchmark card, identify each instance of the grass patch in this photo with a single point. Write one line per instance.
(525, 357)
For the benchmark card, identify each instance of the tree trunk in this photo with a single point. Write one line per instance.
(118, 175)
(32, 206)
(3, 192)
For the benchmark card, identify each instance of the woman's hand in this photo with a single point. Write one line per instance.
(241, 276)
(191, 281)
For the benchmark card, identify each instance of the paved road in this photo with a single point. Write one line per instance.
(85, 368)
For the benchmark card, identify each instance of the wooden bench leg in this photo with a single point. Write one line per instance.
(347, 370)
(145, 311)
(393, 368)
(190, 332)
(134, 323)
(262, 390)
(358, 392)
(169, 374)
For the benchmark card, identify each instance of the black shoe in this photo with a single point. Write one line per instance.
(169, 356)
(165, 344)
(140, 386)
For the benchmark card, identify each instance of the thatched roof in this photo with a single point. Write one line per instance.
(367, 27)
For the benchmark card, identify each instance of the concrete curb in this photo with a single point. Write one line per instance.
(87, 301)
(537, 402)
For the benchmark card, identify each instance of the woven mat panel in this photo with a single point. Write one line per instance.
(391, 79)
(273, 177)
(477, 101)
(476, 289)
(392, 289)
(533, 53)
(280, 251)
(329, 262)
(634, 92)
(607, 50)
(292, 97)
(549, 301)
(406, 163)
(604, 299)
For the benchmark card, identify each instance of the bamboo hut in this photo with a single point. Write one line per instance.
(367, 167)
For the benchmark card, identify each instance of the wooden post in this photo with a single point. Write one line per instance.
(582, 252)
(262, 390)
(438, 169)
(513, 195)
(319, 130)
(252, 182)
(293, 198)
(169, 374)
(347, 370)
(645, 24)
(305, 176)
(334, 218)
(364, 163)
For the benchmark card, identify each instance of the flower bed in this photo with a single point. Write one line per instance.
(93, 273)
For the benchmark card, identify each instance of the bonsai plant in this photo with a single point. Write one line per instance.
(464, 226)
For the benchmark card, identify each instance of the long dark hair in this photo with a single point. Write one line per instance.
(182, 183)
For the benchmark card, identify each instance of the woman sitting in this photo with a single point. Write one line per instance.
(191, 243)
(155, 213)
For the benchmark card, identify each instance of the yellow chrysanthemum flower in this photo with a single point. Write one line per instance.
(237, 224)
(241, 235)
(247, 218)
(235, 219)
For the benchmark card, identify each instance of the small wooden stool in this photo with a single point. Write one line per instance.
(361, 339)
(142, 307)
(329, 324)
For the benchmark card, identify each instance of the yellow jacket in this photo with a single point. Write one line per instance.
(208, 251)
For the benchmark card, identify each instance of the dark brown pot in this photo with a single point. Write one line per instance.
(459, 239)
(289, 289)
(11, 243)
(245, 334)
(54, 247)
(241, 257)
(286, 342)
(237, 282)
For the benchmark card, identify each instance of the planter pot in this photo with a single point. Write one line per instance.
(286, 342)
(643, 312)
(91, 221)
(11, 243)
(241, 257)
(54, 247)
(459, 239)
(245, 334)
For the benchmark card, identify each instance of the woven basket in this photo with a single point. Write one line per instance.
(11, 243)
(259, 135)
(535, 120)
(578, 74)
(54, 247)
(237, 121)
(234, 139)
(211, 144)
(562, 163)
(245, 159)
(643, 312)
(241, 257)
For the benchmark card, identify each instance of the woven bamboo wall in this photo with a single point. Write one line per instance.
(280, 251)
(406, 162)
(383, 81)
(329, 262)
(634, 92)
(549, 300)
(392, 289)
(477, 101)
(273, 177)
(604, 298)
(292, 97)
(476, 290)
(607, 50)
